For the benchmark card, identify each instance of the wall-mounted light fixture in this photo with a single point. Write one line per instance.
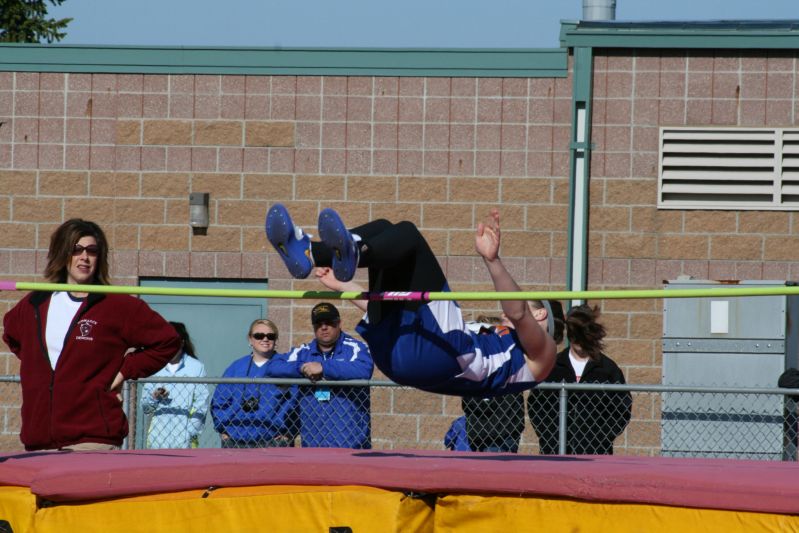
(198, 212)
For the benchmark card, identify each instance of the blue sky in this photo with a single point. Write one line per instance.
(371, 23)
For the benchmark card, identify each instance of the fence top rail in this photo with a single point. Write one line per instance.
(729, 291)
(665, 388)
(268, 381)
(641, 387)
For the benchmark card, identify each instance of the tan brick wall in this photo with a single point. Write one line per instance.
(126, 151)
(631, 243)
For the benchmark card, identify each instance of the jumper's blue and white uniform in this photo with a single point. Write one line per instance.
(331, 417)
(432, 349)
(426, 346)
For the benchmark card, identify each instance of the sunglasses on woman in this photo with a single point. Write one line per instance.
(92, 250)
(261, 336)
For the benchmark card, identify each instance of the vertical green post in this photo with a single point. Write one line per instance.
(579, 170)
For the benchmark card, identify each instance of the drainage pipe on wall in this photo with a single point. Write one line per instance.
(579, 171)
(580, 152)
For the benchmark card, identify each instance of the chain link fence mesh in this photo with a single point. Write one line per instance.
(641, 420)
(553, 418)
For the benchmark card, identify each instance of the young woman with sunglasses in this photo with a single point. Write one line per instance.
(249, 415)
(76, 348)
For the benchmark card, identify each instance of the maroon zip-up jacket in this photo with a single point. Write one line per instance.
(72, 404)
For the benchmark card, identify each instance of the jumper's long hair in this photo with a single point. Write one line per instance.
(64, 239)
(583, 330)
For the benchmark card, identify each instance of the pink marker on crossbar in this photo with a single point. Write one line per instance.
(404, 296)
(8, 285)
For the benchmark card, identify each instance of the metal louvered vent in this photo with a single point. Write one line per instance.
(733, 168)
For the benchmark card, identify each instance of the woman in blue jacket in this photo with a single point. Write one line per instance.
(248, 415)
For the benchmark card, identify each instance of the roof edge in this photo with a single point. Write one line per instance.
(525, 63)
(728, 34)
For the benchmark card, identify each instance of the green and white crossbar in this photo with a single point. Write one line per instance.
(729, 291)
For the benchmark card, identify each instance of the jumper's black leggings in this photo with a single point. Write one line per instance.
(398, 258)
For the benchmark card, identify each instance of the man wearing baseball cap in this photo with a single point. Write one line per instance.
(330, 417)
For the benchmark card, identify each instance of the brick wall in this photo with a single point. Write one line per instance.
(126, 151)
(633, 244)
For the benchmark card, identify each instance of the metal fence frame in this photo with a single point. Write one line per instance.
(790, 447)
(564, 390)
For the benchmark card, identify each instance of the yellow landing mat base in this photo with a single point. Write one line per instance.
(481, 514)
(18, 508)
(293, 508)
(265, 508)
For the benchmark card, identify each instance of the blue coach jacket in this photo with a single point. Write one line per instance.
(331, 417)
(275, 405)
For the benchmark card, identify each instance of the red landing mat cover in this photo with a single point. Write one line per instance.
(760, 486)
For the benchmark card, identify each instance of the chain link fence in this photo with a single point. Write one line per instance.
(553, 418)
(643, 420)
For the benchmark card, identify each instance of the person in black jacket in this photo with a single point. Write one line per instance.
(594, 418)
(495, 424)
(790, 380)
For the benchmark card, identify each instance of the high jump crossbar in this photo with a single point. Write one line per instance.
(721, 292)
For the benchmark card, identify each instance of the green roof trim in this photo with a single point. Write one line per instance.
(519, 63)
(744, 34)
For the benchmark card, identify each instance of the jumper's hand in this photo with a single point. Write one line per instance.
(327, 278)
(487, 237)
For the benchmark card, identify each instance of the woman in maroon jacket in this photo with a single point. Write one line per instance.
(76, 349)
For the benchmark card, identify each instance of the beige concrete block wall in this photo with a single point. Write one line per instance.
(126, 151)
(634, 245)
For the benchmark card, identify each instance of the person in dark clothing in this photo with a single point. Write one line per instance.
(496, 424)
(790, 380)
(594, 418)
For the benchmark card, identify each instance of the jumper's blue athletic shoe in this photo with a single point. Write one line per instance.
(293, 245)
(337, 237)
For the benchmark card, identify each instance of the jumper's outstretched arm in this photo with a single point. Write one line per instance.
(539, 348)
